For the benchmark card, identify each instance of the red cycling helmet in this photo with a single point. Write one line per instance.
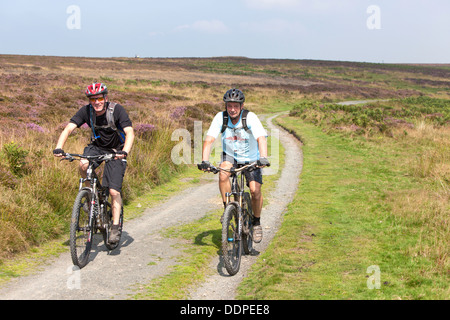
(96, 88)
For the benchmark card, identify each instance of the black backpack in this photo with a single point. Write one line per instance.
(111, 124)
(244, 120)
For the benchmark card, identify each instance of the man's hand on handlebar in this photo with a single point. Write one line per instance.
(121, 155)
(58, 152)
(204, 166)
(263, 162)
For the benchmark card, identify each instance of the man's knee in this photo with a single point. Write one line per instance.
(82, 168)
(255, 190)
(224, 177)
(114, 193)
(83, 165)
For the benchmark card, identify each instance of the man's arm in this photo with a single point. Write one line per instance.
(129, 139)
(262, 145)
(207, 145)
(63, 138)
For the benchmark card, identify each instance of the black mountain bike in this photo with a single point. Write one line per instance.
(92, 211)
(237, 222)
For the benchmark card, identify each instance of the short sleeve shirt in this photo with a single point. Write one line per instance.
(236, 142)
(108, 138)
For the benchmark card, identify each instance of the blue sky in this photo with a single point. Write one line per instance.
(399, 31)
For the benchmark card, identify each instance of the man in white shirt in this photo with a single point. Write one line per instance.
(241, 143)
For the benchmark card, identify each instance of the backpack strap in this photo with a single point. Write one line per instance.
(225, 121)
(244, 120)
(92, 119)
(111, 123)
(110, 115)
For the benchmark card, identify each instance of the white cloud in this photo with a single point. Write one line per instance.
(205, 26)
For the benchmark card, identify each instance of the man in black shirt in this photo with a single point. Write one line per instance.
(109, 135)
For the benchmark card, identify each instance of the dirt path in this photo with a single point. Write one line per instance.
(144, 254)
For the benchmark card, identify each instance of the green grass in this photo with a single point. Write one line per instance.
(28, 263)
(340, 224)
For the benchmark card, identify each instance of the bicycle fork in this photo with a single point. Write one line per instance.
(236, 236)
(93, 212)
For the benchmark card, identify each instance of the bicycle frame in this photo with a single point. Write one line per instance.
(99, 215)
(96, 209)
(236, 219)
(237, 189)
(99, 192)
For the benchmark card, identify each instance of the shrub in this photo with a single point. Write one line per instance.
(16, 157)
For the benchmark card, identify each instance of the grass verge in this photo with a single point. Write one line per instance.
(342, 237)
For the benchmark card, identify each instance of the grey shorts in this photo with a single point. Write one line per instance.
(114, 170)
(255, 175)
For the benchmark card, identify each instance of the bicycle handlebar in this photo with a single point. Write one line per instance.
(103, 157)
(215, 170)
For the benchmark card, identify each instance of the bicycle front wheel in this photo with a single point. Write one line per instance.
(81, 231)
(231, 240)
(247, 228)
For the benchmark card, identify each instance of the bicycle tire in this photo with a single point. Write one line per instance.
(81, 232)
(105, 233)
(231, 243)
(247, 224)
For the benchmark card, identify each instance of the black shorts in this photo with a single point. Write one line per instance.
(255, 175)
(114, 170)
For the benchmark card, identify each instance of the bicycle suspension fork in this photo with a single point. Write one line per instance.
(239, 194)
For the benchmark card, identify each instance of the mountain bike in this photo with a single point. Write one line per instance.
(92, 211)
(237, 222)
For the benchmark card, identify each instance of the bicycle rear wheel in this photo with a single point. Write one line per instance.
(231, 241)
(247, 228)
(81, 231)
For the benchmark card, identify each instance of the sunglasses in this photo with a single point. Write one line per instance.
(92, 100)
(229, 106)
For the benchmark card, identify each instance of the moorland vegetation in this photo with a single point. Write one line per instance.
(38, 95)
